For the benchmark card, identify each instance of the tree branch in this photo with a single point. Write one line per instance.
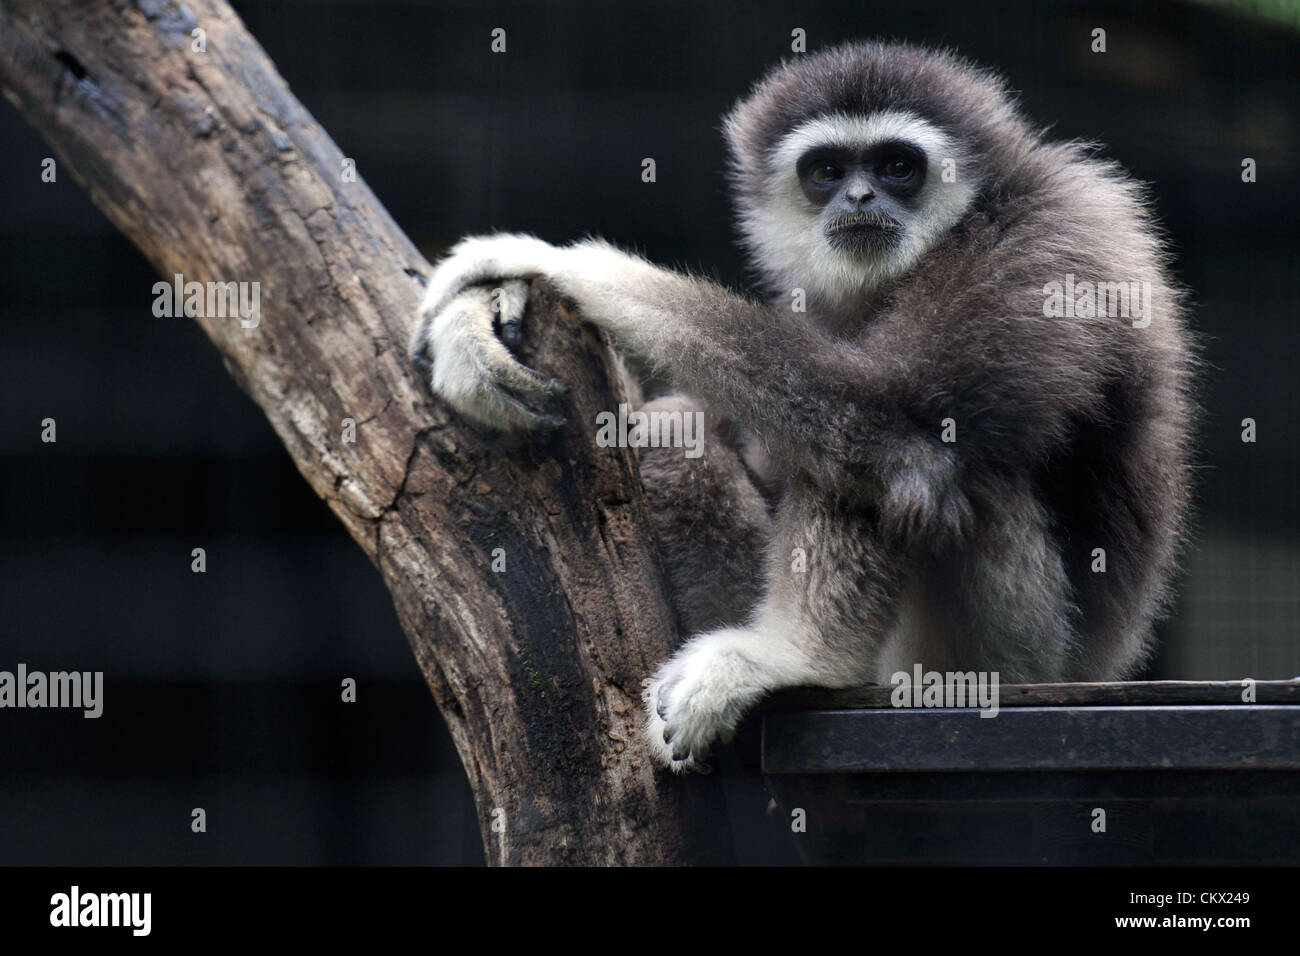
(213, 169)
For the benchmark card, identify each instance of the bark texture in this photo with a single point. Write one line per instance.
(212, 168)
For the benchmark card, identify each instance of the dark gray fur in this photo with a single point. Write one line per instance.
(1072, 433)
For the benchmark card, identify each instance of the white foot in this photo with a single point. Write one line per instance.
(698, 696)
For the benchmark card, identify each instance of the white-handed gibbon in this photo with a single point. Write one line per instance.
(956, 431)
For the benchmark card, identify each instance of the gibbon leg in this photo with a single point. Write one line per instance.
(711, 523)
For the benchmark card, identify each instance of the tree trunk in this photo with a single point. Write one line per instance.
(213, 169)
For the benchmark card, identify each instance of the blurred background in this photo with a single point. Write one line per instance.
(222, 689)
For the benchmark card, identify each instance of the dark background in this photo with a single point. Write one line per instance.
(222, 689)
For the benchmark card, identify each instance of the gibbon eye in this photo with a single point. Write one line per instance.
(897, 167)
(826, 173)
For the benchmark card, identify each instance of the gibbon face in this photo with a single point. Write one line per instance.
(866, 192)
(850, 165)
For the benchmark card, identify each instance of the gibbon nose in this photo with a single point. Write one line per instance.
(858, 193)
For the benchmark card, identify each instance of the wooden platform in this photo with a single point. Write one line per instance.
(1186, 772)
(1088, 695)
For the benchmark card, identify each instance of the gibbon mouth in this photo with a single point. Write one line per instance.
(863, 231)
